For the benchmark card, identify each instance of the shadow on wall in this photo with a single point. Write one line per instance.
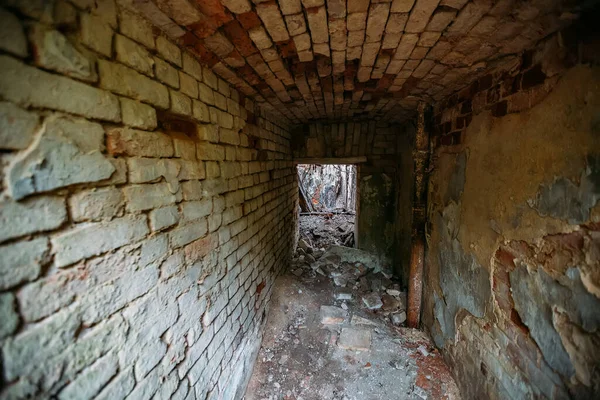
(513, 279)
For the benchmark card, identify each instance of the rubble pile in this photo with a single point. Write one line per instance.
(327, 230)
(358, 276)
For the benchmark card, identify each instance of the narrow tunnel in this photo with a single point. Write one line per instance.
(150, 237)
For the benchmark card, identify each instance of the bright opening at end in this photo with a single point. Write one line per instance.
(327, 204)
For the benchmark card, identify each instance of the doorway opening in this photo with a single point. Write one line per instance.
(327, 207)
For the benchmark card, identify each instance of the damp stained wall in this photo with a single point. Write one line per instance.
(512, 268)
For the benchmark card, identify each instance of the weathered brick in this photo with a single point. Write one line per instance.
(188, 233)
(127, 82)
(133, 142)
(191, 66)
(164, 217)
(402, 6)
(193, 210)
(440, 20)
(317, 22)
(209, 151)
(269, 13)
(200, 111)
(180, 103)
(136, 28)
(469, 16)
(53, 51)
(72, 150)
(168, 51)
(21, 262)
(17, 126)
(376, 21)
(12, 36)
(96, 204)
(8, 315)
(166, 73)
(26, 85)
(132, 54)
(420, 14)
(138, 115)
(92, 379)
(147, 197)
(210, 78)
(96, 34)
(88, 240)
(188, 85)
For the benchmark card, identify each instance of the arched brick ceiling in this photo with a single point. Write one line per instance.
(338, 59)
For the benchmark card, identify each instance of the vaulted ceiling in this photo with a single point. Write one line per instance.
(338, 59)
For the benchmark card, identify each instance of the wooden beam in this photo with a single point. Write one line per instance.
(331, 160)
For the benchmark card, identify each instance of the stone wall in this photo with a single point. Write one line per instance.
(511, 281)
(382, 179)
(146, 209)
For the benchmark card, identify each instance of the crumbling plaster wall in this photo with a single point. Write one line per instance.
(512, 277)
(386, 148)
(146, 209)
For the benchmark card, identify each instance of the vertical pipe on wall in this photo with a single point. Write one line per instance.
(419, 216)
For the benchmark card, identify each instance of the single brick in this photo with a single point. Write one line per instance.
(191, 66)
(8, 315)
(188, 85)
(164, 217)
(88, 240)
(27, 85)
(96, 204)
(200, 111)
(53, 51)
(194, 210)
(125, 81)
(136, 28)
(138, 115)
(31, 216)
(166, 73)
(210, 151)
(180, 103)
(133, 142)
(17, 126)
(147, 197)
(96, 34)
(12, 36)
(132, 54)
(21, 262)
(206, 94)
(72, 153)
(188, 233)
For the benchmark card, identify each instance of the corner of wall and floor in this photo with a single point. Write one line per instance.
(146, 211)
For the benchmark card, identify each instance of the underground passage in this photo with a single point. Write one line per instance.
(299, 199)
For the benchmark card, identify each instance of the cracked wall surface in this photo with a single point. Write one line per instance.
(146, 209)
(512, 278)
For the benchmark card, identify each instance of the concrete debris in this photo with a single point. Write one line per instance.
(343, 296)
(331, 315)
(355, 339)
(372, 301)
(356, 320)
(399, 318)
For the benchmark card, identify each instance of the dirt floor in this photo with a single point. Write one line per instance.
(322, 341)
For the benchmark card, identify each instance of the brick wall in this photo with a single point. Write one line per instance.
(513, 226)
(383, 182)
(146, 210)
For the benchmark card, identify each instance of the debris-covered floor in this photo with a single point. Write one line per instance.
(335, 331)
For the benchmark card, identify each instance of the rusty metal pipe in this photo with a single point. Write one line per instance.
(415, 287)
(419, 219)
